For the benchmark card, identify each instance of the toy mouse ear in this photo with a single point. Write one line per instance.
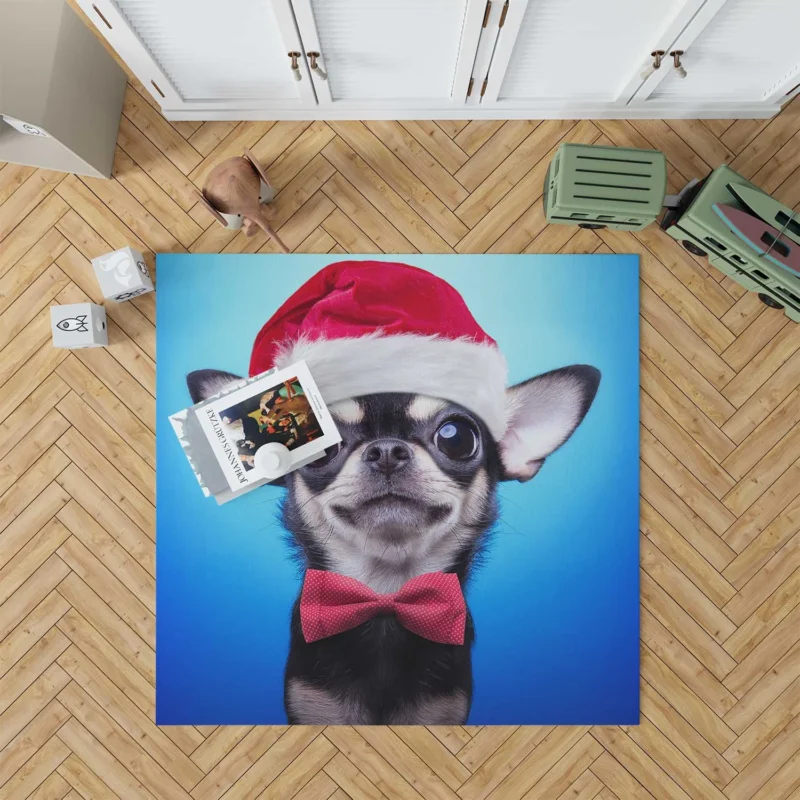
(213, 211)
(257, 167)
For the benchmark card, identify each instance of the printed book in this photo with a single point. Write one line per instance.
(222, 435)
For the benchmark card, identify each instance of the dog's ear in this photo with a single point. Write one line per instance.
(203, 383)
(543, 412)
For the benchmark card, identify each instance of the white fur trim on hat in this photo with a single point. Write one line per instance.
(462, 371)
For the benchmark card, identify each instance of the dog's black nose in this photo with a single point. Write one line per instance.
(387, 455)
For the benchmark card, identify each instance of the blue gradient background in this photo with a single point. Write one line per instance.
(556, 605)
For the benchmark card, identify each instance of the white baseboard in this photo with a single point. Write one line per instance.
(649, 111)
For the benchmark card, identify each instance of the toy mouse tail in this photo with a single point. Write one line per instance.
(263, 223)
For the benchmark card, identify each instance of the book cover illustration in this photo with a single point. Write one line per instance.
(281, 406)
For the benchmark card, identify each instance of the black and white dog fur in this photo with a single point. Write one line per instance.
(410, 490)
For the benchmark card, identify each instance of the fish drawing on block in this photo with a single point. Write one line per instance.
(763, 238)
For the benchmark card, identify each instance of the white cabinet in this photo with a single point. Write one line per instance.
(402, 53)
(735, 51)
(334, 59)
(574, 51)
(218, 56)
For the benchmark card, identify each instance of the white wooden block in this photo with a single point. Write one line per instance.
(122, 274)
(78, 325)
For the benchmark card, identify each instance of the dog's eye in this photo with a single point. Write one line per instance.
(330, 453)
(457, 439)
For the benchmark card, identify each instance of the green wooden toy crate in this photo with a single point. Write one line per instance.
(695, 224)
(605, 187)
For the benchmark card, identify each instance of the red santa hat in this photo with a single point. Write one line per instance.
(366, 327)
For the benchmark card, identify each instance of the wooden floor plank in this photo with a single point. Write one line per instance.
(30, 267)
(643, 768)
(26, 198)
(420, 162)
(759, 590)
(159, 131)
(22, 712)
(30, 302)
(768, 433)
(764, 400)
(31, 230)
(101, 762)
(675, 583)
(209, 135)
(236, 762)
(83, 781)
(364, 218)
(299, 154)
(685, 737)
(475, 133)
(768, 688)
(31, 738)
(437, 143)
(502, 180)
(542, 769)
(493, 152)
(681, 554)
(154, 199)
(37, 770)
(153, 161)
(130, 736)
(503, 762)
(131, 574)
(618, 780)
(426, 222)
(12, 176)
(685, 682)
(104, 512)
(120, 599)
(109, 624)
(138, 506)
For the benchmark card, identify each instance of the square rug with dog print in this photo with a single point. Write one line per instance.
(467, 553)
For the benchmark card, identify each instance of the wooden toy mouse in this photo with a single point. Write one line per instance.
(236, 192)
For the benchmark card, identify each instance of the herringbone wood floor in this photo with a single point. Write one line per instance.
(720, 507)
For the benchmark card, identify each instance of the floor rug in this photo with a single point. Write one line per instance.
(468, 553)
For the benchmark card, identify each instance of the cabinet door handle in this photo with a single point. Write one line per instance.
(315, 68)
(676, 59)
(294, 55)
(657, 56)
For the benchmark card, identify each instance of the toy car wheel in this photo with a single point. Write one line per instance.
(769, 301)
(592, 226)
(693, 248)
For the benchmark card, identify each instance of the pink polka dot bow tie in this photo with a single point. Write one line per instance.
(431, 605)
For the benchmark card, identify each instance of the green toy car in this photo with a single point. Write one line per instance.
(605, 187)
(696, 225)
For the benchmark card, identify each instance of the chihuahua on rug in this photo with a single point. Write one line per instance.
(389, 525)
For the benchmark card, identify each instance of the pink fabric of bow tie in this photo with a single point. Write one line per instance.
(431, 605)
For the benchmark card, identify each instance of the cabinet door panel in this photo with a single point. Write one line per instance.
(747, 52)
(393, 52)
(207, 53)
(581, 50)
